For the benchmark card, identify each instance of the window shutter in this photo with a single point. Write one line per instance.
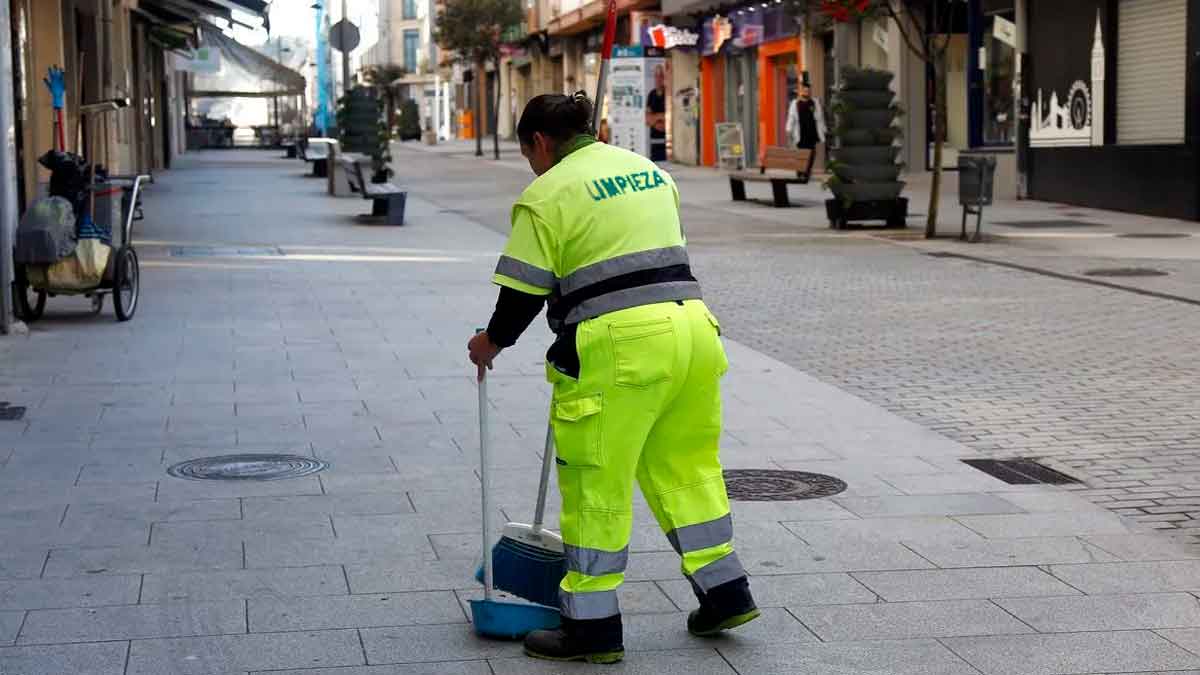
(1151, 71)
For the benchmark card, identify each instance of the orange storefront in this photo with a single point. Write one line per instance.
(747, 79)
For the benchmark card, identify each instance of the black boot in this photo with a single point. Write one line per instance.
(723, 607)
(592, 640)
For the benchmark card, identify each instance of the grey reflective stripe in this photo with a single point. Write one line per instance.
(598, 605)
(702, 535)
(716, 573)
(634, 297)
(624, 264)
(594, 562)
(523, 271)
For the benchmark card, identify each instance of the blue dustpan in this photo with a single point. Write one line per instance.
(499, 618)
(511, 620)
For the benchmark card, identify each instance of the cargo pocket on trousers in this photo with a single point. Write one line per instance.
(643, 352)
(722, 359)
(577, 431)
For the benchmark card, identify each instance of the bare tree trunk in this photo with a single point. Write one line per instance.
(496, 110)
(939, 131)
(477, 105)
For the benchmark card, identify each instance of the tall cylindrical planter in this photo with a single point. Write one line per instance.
(865, 181)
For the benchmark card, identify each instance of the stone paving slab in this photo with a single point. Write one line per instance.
(78, 592)
(672, 662)
(635, 597)
(423, 644)
(353, 611)
(105, 624)
(240, 653)
(445, 668)
(242, 584)
(896, 657)
(10, 623)
(908, 620)
(1069, 653)
(1006, 552)
(142, 559)
(100, 658)
(1106, 612)
(1132, 577)
(926, 505)
(964, 584)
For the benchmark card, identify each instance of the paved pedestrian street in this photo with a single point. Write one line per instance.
(275, 320)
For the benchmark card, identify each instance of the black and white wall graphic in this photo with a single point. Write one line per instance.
(1076, 116)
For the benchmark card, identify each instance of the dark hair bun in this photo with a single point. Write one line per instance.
(557, 116)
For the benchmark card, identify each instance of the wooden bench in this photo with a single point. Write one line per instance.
(786, 165)
(387, 199)
(317, 151)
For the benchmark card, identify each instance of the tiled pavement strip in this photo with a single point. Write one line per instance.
(346, 343)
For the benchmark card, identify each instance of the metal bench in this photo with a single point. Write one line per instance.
(317, 151)
(387, 199)
(787, 167)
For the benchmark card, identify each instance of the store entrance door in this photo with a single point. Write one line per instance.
(741, 98)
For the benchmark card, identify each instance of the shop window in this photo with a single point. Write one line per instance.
(1151, 70)
(999, 71)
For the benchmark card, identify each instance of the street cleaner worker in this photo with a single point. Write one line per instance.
(635, 368)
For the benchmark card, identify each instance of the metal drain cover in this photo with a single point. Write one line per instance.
(247, 467)
(11, 413)
(1155, 235)
(224, 251)
(1125, 272)
(770, 485)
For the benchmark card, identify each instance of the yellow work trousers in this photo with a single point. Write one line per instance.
(646, 405)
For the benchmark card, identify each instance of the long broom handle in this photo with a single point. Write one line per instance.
(485, 479)
(610, 35)
(539, 512)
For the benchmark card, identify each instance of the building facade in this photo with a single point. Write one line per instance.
(406, 40)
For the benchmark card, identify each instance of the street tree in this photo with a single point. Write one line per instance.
(473, 30)
(926, 27)
(381, 77)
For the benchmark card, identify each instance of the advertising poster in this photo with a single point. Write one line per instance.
(637, 96)
(627, 100)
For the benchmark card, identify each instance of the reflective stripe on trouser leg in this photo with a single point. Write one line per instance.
(585, 597)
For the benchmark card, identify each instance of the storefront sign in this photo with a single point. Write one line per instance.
(668, 37)
(749, 32)
(1004, 31)
(717, 31)
(640, 24)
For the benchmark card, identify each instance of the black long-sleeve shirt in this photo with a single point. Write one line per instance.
(514, 312)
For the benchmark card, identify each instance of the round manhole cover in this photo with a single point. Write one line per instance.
(769, 485)
(247, 467)
(1155, 235)
(1126, 272)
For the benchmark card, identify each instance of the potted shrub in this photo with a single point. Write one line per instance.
(865, 174)
(410, 121)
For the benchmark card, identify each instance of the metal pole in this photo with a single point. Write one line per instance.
(345, 52)
(8, 172)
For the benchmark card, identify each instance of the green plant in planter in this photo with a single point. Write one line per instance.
(410, 121)
(865, 173)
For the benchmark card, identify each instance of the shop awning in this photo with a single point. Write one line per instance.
(244, 71)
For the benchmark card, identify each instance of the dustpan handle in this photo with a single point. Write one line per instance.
(485, 480)
(539, 513)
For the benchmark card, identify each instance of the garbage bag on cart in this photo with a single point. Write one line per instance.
(46, 233)
(80, 271)
(70, 177)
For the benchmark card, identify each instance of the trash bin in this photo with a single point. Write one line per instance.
(976, 180)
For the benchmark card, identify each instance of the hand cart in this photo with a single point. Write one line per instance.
(122, 275)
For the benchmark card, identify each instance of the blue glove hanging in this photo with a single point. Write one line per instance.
(56, 82)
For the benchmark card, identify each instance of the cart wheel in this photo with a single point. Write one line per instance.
(125, 284)
(29, 311)
(97, 303)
